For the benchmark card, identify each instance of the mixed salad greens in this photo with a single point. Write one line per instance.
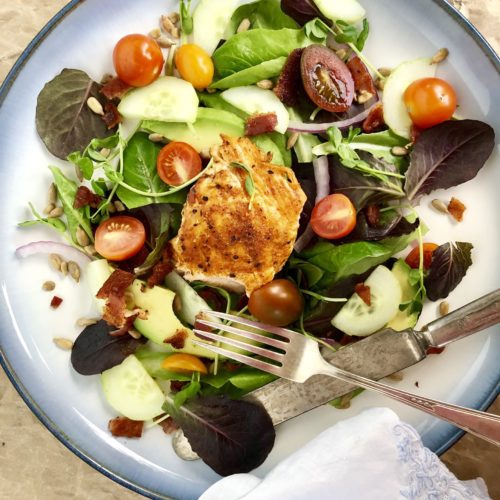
(366, 145)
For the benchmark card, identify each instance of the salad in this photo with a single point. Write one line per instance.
(252, 160)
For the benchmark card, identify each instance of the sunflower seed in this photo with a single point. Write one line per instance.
(385, 71)
(341, 53)
(81, 237)
(169, 27)
(120, 207)
(380, 83)
(165, 42)
(78, 173)
(64, 268)
(174, 17)
(444, 308)
(105, 152)
(52, 194)
(48, 286)
(86, 321)
(62, 343)
(440, 56)
(399, 151)
(90, 250)
(364, 96)
(74, 270)
(49, 208)
(397, 376)
(55, 261)
(56, 212)
(244, 26)
(292, 140)
(265, 84)
(95, 106)
(155, 33)
(106, 78)
(134, 334)
(111, 208)
(156, 138)
(440, 206)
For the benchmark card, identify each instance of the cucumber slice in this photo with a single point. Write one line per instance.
(358, 319)
(131, 391)
(349, 11)
(167, 99)
(395, 114)
(252, 99)
(210, 20)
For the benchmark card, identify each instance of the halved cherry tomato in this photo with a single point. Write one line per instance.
(184, 363)
(177, 163)
(138, 60)
(430, 101)
(120, 237)
(277, 303)
(333, 217)
(413, 258)
(194, 65)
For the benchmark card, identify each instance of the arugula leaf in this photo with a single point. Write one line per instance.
(230, 436)
(349, 33)
(66, 190)
(449, 265)
(262, 14)
(249, 182)
(447, 155)
(53, 222)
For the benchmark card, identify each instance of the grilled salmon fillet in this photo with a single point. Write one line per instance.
(228, 239)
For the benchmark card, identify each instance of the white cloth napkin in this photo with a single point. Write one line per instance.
(368, 457)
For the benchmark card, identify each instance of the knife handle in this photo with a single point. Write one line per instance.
(471, 318)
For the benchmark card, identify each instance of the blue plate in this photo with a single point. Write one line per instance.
(71, 406)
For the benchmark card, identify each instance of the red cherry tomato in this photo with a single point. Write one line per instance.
(119, 238)
(430, 101)
(333, 217)
(194, 65)
(138, 60)
(413, 258)
(177, 163)
(277, 303)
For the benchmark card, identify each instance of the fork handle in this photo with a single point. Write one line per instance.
(481, 424)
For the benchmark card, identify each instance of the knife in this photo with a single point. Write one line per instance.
(375, 357)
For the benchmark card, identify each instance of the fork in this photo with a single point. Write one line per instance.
(295, 357)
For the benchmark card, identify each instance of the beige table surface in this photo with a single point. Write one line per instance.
(33, 464)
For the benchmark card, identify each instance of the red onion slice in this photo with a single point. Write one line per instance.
(319, 128)
(322, 178)
(64, 250)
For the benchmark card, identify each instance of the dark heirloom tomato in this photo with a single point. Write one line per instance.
(277, 303)
(327, 80)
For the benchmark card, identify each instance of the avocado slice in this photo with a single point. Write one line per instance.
(161, 324)
(204, 132)
(404, 319)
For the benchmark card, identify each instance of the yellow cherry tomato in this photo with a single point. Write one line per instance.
(194, 65)
(184, 363)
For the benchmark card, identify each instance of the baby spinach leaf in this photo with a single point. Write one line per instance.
(95, 350)
(64, 122)
(447, 155)
(449, 265)
(187, 393)
(66, 190)
(262, 14)
(230, 436)
(265, 48)
(139, 172)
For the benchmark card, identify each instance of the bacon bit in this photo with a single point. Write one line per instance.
(113, 291)
(289, 86)
(416, 383)
(177, 385)
(84, 196)
(161, 268)
(129, 323)
(55, 302)
(456, 209)
(414, 133)
(168, 425)
(361, 76)
(260, 124)
(435, 350)
(364, 293)
(178, 340)
(374, 122)
(111, 117)
(115, 88)
(231, 367)
(372, 214)
(125, 427)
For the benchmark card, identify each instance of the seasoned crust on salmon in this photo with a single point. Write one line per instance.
(225, 241)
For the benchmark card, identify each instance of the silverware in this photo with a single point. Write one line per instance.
(296, 357)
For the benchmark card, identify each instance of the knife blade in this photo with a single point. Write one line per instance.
(375, 357)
